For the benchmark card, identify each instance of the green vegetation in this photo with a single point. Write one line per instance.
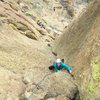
(93, 87)
(28, 14)
(96, 70)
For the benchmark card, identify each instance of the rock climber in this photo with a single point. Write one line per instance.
(59, 64)
(40, 24)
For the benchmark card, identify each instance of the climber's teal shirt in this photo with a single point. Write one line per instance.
(62, 65)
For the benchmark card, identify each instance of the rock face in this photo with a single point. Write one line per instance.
(52, 87)
(18, 54)
(24, 70)
(25, 57)
(80, 47)
(11, 14)
(54, 14)
(25, 52)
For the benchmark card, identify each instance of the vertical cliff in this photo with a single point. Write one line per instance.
(25, 49)
(25, 55)
(80, 47)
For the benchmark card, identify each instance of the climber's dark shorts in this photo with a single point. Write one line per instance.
(51, 67)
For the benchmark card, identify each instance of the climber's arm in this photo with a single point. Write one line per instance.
(67, 67)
